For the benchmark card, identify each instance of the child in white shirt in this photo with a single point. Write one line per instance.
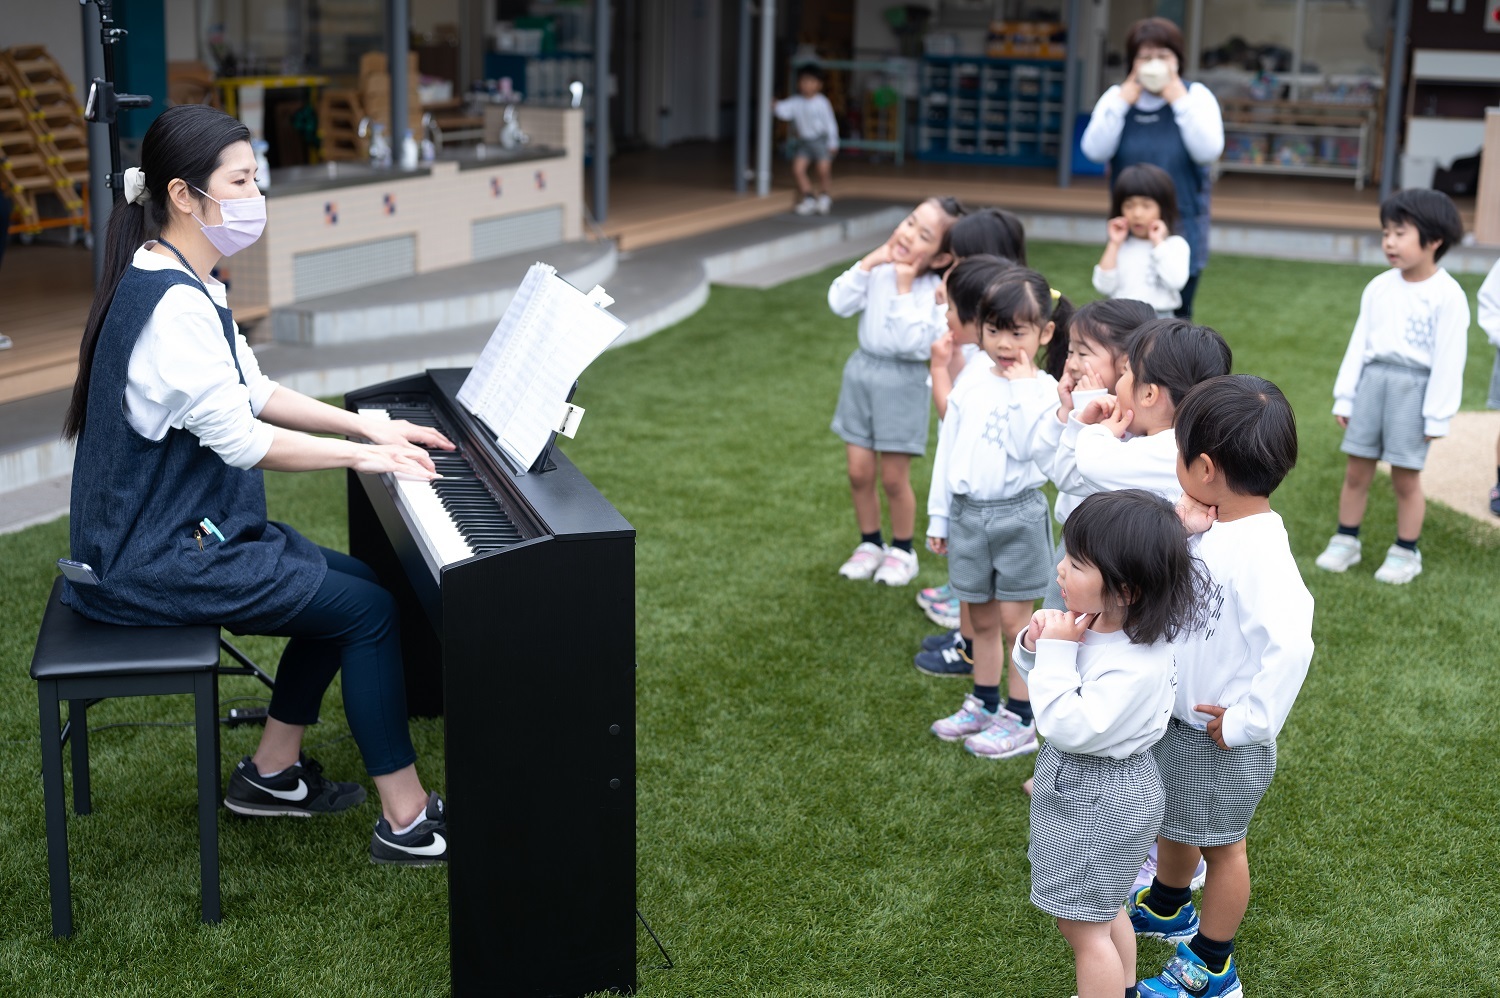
(986, 511)
(1402, 376)
(883, 407)
(816, 138)
(1143, 259)
(1237, 677)
(1102, 686)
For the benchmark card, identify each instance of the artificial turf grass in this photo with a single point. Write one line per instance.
(800, 832)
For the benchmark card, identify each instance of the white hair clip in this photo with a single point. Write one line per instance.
(135, 186)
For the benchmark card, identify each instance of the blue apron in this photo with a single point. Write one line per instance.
(1153, 137)
(137, 503)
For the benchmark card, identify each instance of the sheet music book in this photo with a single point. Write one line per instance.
(549, 334)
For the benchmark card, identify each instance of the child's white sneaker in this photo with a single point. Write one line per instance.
(1340, 555)
(824, 203)
(807, 206)
(863, 562)
(898, 567)
(1400, 566)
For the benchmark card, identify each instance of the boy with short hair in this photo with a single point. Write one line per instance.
(816, 138)
(1238, 675)
(1402, 376)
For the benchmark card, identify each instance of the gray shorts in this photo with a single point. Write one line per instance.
(1212, 793)
(1093, 820)
(884, 404)
(1387, 422)
(1000, 548)
(1495, 382)
(813, 149)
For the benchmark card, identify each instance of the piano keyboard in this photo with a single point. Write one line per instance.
(454, 517)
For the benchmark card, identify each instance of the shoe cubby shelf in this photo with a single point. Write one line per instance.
(1005, 112)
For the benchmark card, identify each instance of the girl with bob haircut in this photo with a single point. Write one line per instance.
(1102, 686)
(1143, 260)
(175, 425)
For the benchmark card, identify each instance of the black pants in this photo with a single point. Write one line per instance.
(350, 625)
(1189, 290)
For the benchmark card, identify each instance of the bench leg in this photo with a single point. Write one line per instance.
(78, 728)
(206, 703)
(55, 805)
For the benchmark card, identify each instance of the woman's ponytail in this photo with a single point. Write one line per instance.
(127, 230)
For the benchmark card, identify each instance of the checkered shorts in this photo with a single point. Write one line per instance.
(1387, 421)
(1092, 821)
(1000, 548)
(1212, 793)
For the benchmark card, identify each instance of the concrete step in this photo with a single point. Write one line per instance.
(435, 302)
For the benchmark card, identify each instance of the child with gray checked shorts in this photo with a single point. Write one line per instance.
(986, 510)
(1402, 376)
(1238, 674)
(1102, 685)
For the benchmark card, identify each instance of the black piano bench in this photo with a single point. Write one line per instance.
(82, 661)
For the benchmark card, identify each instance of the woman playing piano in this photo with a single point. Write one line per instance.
(174, 424)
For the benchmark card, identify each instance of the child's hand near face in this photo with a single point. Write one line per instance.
(1061, 625)
(1118, 229)
(1024, 367)
(1118, 422)
(1098, 410)
(942, 349)
(1196, 517)
(879, 255)
(1158, 232)
(1065, 387)
(1090, 380)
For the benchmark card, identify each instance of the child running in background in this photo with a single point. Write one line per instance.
(964, 285)
(815, 139)
(1125, 440)
(883, 408)
(1237, 678)
(1102, 686)
(986, 509)
(1143, 259)
(1402, 376)
(1489, 321)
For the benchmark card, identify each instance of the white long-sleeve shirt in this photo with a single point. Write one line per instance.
(811, 117)
(1489, 305)
(902, 327)
(1102, 696)
(986, 443)
(181, 374)
(1091, 459)
(1197, 113)
(1152, 274)
(1252, 655)
(1421, 324)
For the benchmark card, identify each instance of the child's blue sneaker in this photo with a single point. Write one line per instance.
(1178, 927)
(937, 642)
(1186, 976)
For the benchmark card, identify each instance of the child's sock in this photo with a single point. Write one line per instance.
(1349, 531)
(989, 696)
(1410, 545)
(902, 544)
(871, 539)
(1214, 953)
(1020, 708)
(968, 646)
(1166, 901)
(1132, 992)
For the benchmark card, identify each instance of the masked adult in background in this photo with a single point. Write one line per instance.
(1155, 117)
(175, 422)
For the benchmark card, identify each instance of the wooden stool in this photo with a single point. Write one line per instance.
(83, 661)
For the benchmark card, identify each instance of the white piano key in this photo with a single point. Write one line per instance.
(436, 533)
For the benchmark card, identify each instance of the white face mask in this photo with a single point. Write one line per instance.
(1153, 75)
(244, 219)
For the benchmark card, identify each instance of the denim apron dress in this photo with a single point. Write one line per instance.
(137, 504)
(1153, 137)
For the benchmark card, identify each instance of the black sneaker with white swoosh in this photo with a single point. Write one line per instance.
(424, 845)
(298, 790)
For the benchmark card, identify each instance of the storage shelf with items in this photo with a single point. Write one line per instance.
(1310, 138)
(994, 111)
(43, 144)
